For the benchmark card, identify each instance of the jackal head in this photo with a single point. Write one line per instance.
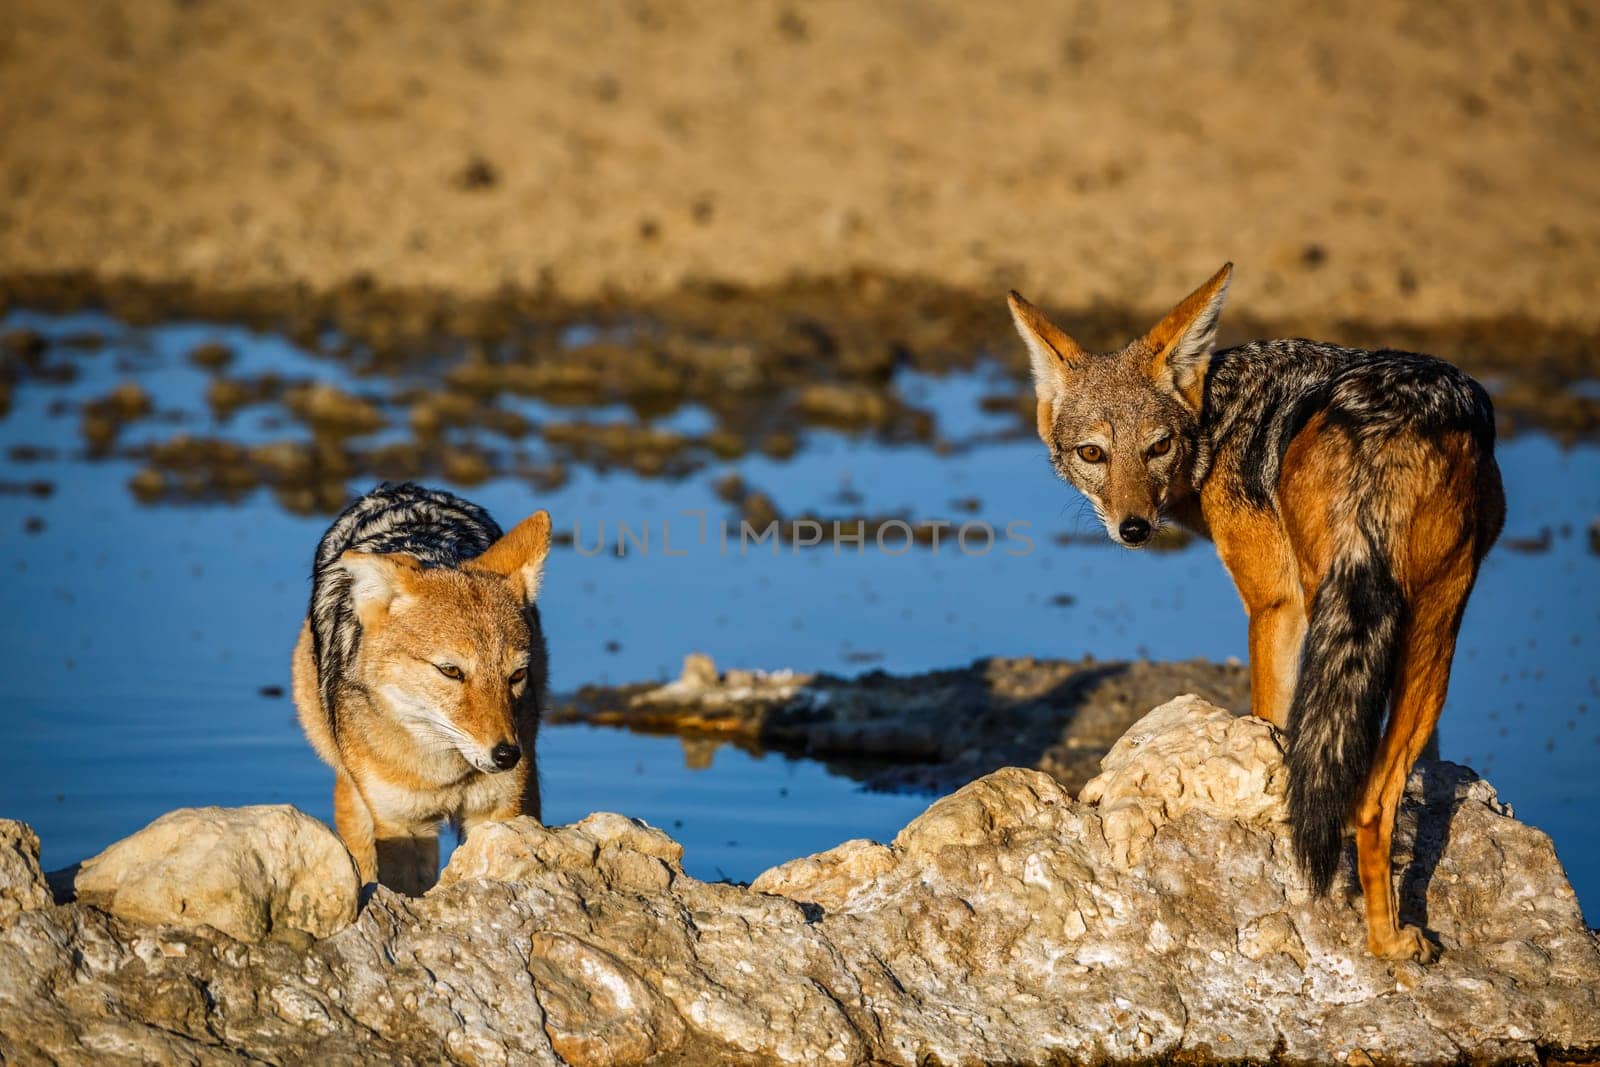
(1122, 426)
(447, 652)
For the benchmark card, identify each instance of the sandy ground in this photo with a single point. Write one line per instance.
(1418, 162)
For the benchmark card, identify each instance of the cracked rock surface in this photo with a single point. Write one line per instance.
(1009, 923)
(22, 884)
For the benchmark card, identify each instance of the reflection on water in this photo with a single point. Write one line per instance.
(146, 646)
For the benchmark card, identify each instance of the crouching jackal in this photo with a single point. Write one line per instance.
(420, 673)
(1351, 496)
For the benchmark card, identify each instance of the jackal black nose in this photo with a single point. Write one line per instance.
(505, 756)
(1134, 531)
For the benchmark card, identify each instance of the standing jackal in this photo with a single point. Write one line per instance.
(1351, 495)
(420, 672)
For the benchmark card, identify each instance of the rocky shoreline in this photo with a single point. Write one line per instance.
(1157, 917)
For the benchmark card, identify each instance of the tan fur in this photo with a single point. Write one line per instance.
(413, 746)
(519, 555)
(1166, 336)
(1054, 355)
(1035, 323)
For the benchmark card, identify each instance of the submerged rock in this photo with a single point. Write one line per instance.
(1008, 923)
(211, 355)
(254, 873)
(848, 406)
(331, 410)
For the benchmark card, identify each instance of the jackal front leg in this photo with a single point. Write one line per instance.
(1257, 553)
(408, 859)
(354, 822)
(403, 857)
(1276, 633)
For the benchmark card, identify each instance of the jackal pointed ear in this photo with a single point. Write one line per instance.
(1055, 356)
(519, 555)
(376, 580)
(1180, 344)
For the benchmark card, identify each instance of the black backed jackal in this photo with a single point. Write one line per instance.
(1351, 495)
(420, 672)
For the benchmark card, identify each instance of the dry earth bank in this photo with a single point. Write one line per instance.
(1410, 162)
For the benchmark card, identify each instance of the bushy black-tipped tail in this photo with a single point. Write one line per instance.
(1347, 670)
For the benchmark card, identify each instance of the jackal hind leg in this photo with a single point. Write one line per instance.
(1421, 684)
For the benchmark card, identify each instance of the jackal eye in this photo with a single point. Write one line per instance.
(1161, 447)
(1091, 453)
(518, 675)
(450, 671)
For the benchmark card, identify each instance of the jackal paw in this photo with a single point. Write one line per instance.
(1408, 943)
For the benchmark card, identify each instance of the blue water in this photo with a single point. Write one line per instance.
(136, 639)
